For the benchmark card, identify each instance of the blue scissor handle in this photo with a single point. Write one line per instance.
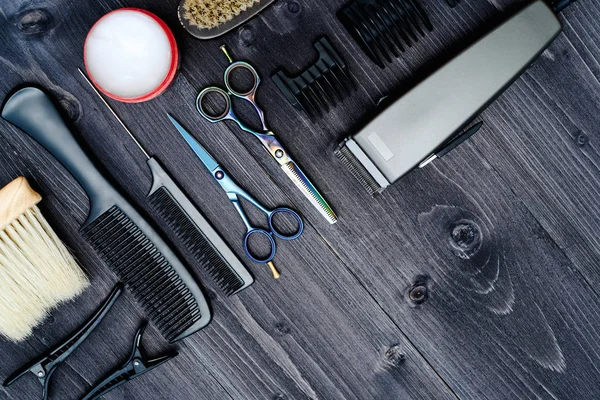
(294, 214)
(268, 235)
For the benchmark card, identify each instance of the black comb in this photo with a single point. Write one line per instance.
(188, 224)
(122, 237)
(321, 85)
(220, 262)
(383, 28)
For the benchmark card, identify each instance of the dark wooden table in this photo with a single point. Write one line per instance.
(501, 236)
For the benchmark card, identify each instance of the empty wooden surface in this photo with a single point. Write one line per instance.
(473, 278)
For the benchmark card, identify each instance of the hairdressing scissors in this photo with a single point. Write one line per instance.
(267, 137)
(234, 192)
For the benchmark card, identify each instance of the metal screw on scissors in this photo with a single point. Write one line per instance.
(234, 192)
(266, 137)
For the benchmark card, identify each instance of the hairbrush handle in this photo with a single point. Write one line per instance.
(16, 198)
(32, 110)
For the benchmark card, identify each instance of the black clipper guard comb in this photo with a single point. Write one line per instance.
(320, 86)
(44, 366)
(383, 28)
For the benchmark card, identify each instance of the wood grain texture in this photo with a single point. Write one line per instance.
(315, 333)
(472, 278)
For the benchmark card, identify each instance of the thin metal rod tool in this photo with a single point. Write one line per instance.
(114, 113)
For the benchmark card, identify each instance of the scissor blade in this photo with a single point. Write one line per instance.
(294, 172)
(200, 151)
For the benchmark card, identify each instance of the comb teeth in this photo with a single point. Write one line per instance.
(195, 241)
(356, 168)
(319, 87)
(145, 271)
(383, 28)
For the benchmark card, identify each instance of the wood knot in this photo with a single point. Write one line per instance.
(394, 356)
(35, 22)
(71, 107)
(68, 103)
(282, 328)
(465, 238)
(293, 7)
(247, 36)
(211, 294)
(582, 139)
(419, 292)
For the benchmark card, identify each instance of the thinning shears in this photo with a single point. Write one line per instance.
(266, 137)
(234, 192)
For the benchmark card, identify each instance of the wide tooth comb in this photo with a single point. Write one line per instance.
(321, 86)
(120, 235)
(138, 263)
(385, 28)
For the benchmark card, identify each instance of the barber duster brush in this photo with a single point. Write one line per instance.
(37, 272)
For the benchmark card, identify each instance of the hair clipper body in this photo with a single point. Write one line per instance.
(430, 114)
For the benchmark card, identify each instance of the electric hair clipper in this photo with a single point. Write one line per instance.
(432, 115)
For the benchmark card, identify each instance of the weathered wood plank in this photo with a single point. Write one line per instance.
(497, 322)
(316, 333)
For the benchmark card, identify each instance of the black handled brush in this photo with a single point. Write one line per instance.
(125, 241)
(188, 224)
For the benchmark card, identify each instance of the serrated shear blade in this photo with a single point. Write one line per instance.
(294, 172)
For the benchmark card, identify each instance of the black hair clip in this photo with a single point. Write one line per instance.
(383, 27)
(319, 86)
(135, 366)
(44, 367)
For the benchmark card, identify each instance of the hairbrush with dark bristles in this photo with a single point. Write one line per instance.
(188, 223)
(121, 236)
(320, 86)
(383, 28)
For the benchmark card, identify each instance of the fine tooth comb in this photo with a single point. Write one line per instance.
(122, 237)
(383, 28)
(188, 224)
(319, 86)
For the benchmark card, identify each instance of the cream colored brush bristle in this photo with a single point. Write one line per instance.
(37, 272)
(212, 13)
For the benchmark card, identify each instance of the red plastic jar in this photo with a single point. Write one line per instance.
(169, 76)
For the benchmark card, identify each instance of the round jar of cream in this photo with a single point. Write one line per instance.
(131, 55)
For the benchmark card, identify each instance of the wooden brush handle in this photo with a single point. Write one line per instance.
(16, 198)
